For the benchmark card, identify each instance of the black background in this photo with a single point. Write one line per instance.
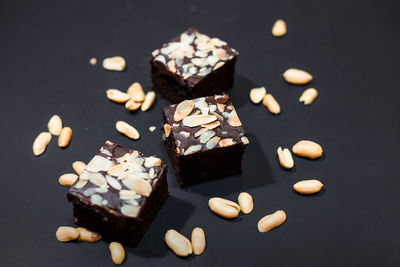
(351, 49)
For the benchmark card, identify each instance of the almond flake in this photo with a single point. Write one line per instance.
(171, 66)
(206, 136)
(200, 132)
(97, 179)
(245, 140)
(211, 125)
(217, 115)
(127, 194)
(167, 129)
(226, 142)
(98, 163)
(220, 53)
(138, 185)
(132, 105)
(130, 210)
(221, 107)
(152, 162)
(192, 149)
(128, 130)
(113, 182)
(185, 134)
(135, 91)
(196, 120)
(212, 142)
(96, 199)
(117, 170)
(183, 109)
(117, 96)
(81, 183)
(102, 189)
(218, 65)
(233, 119)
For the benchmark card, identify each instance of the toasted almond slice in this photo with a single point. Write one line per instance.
(130, 210)
(87, 235)
(198, 241)
(308, 187)
(40, 143)
(196, 120)
(271, 221)
(78, 166)
(68, 179)
(226, 142)
(271, 104)
(233, 119)
(178, 243)
(185, 134)
(200, 132)
(213, 142)
(192, 149)
(152, 162)
(296, 76)
(307, 149)
(139, 185)
(183, 109)
(127, 130)
(245, 140)
(65, 137)
(135, 91)
(167, 129)
(55, 125)
(148, 100)
(211, 125)
(308, 96)
(117, 170)
(279, 28)
(132, 105)
(221, 107)
(285, 158)
(117, 96)
(114, 63)
(257, 95)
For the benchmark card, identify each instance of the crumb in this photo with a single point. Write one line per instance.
(152, 128)
(93, 61)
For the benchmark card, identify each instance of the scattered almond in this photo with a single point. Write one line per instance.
(285, 158)
(68, 179)
(66, 233)
(198, 241)
(296, 76)
(271, 104)
(257, 95)
(223, 207)
(87, 235)
(148, 100)
(245, 202)
(65, 137)
(307, 149)
(55, 125)
(279, 29)
(41, 142)
(178, 243)
(308, 187)
(117, 252)
(128, 130)
(78, 166)
(135, 91)
(271, 221)
(117, 96)
(132, 105)
(308, 96)
(114, 63)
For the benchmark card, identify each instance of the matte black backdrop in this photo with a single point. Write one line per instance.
(351, 48)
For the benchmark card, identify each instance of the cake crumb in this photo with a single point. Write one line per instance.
(152, 128)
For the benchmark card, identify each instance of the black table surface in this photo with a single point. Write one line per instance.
(350, 47)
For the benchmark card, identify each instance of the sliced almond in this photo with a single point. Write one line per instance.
(213, 142)
(200, 132)
(135, 91)
(126, 129)
(192, 149)
(279, 28)
(130, 210)
(117, 170)
(167, 129)
(117, 96)
(198, 241)
(233, 119)
(308, 187)
(221, 107)
(114, 63)
(139, 185)
(68, 179)
(40, 143)
(296, 76)
(152, 162)
(178, 243)
(271, 104)
(245, 140)
(55, 125)
(98, 163)
(257, 94)
(132, 105)
(97, 179)
(183, 109)
(78, 167)
(211, 125)
(307, 149)
(285, 158)
(217, 115)
(197, 120)
(226, 142)
(65, 137)
(308, 96)
(185, 134)
(148, 100)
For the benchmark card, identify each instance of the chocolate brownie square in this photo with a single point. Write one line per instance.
(119, 193)
(192, 65)
(204, 139)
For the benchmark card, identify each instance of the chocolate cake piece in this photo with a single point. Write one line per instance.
(119, 193)
(204, 139)
(192, 65)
